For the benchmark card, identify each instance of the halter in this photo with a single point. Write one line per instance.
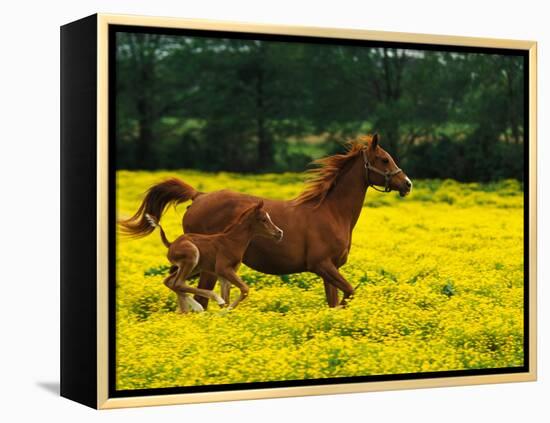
(387, 174)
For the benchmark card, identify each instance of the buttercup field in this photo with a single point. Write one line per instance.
(439, 278)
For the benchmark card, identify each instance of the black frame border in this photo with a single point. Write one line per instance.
(114, 393)
(78, 211)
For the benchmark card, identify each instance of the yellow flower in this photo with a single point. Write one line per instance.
(440, 279)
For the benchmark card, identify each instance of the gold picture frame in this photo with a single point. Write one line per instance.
(98, 27)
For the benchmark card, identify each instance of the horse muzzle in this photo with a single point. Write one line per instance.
(406, 187)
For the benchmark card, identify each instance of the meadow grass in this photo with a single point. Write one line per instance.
(440, 277)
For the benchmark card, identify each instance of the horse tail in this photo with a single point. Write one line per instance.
(157, 198)
(155, 224)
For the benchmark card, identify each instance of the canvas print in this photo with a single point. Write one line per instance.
(314, 211)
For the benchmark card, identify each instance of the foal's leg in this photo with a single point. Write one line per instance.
(170, 282)
(193, 305)
(230, 276)
(184, 290)
(328, 271)
(225, 290)
(207, 281)
(177, 284)
(202, 293)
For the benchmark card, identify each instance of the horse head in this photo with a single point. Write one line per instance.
(261, 222)
(381, 169)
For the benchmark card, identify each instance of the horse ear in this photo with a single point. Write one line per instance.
(260, 204)
(374, 141)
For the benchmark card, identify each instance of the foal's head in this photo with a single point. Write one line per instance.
(383, 170)
(261, 223)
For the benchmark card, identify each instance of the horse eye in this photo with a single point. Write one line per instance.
(386, 160)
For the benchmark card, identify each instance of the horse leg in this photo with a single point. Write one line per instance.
(207, 281)
(169, 282)
(203, 293)
(230, 276)
(331, 292)
(225, 290)
(177, 284)
(184, 290)
(328, 271)
(186, 301)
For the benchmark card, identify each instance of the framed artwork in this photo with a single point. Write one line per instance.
(255, 211)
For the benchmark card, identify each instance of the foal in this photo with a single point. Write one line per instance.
(220, 253)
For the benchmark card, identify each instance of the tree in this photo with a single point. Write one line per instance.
(255, 106)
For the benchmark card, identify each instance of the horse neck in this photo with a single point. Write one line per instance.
(347, 196)
(239, 235)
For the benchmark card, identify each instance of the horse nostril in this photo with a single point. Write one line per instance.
(408, 183)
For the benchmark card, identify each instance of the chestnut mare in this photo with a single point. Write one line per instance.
(318, 224)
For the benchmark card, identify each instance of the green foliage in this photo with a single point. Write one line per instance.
(263, 106)
(146, 305)
(157, 270)
(448, 289)
(465, 160)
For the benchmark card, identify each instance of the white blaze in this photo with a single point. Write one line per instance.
(271, 221)
(410, 182)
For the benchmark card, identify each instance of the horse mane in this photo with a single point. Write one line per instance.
(324, 176)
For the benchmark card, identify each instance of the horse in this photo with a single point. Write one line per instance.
(318, 223)
(220, 254)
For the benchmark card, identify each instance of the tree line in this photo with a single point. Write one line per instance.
(271, 106)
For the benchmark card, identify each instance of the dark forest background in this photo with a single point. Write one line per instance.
(264, 106)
